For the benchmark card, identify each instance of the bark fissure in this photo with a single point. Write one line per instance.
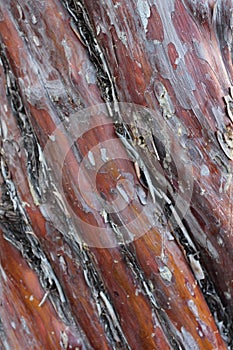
(19, 233)
(80, 22)
(107, 314)
(131, 261)
(30, 142)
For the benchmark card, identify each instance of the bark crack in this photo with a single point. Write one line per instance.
(81, 24)
(31, 145)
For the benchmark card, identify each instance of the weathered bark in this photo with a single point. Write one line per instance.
(154, 272)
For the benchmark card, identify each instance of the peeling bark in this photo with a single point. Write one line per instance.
(116, 174)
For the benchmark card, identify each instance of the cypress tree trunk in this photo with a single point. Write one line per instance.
(116, 174)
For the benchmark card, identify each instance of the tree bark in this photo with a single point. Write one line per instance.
(116, 174)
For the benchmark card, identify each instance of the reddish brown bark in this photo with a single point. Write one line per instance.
(170, 284)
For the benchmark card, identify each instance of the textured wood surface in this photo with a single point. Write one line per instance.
(116, 234)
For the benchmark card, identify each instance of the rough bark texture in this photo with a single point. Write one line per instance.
(155, 271)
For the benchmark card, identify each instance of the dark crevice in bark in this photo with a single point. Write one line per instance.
(19, 233)
(222, 314)
(31, 145)
(81, 23)
(131, 261)
(107, 314)
(219, 311)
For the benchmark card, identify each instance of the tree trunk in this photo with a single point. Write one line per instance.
(116, 174)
